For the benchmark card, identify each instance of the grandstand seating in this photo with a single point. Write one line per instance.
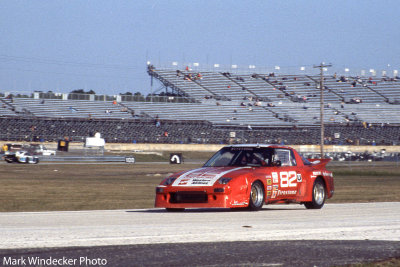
(257, 107)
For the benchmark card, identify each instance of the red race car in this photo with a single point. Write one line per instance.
(249, 176)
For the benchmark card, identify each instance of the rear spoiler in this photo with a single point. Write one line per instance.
(319, 162)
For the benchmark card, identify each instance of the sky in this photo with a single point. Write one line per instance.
(104, 45)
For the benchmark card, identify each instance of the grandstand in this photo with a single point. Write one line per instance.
(216, 107)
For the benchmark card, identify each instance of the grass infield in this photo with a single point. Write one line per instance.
(50, 187)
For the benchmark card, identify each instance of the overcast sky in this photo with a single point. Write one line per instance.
(104, 45)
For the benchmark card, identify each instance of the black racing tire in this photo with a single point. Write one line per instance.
(318, 195)
(175, 209)
(36, 161)
(257, 196)
(26, 160)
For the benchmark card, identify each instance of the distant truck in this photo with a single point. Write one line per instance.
(38, 149)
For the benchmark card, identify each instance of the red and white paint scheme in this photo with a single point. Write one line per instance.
(249, 176)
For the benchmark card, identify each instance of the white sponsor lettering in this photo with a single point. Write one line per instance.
(288, 192)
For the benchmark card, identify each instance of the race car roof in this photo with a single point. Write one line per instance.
(258, 145)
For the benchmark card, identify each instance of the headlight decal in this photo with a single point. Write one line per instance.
(224, 180)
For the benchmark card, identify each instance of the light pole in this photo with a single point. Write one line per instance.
(322, 66)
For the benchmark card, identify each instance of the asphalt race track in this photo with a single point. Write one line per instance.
(278, 235)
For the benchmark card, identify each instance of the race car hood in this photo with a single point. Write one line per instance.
(206, 176)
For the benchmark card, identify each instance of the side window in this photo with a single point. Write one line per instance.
(285, 156)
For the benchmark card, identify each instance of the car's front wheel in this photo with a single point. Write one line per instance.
(318, 195)
(257, 196)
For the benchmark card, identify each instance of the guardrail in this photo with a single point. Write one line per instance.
(82, 158)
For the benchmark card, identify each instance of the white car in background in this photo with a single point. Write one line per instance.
(21, 157)
(41, 150)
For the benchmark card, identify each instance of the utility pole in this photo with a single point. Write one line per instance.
(322, 66)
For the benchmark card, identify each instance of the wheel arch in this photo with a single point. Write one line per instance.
(322, 178)
(258, 180)
(254, 206)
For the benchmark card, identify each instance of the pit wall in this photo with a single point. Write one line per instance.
(212, 148)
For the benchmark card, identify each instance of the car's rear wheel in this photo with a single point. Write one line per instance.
(175, 209)
(318, 195)
(257, 196)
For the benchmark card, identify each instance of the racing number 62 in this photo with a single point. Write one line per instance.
(288, 179)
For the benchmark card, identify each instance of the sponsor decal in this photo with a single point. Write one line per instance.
(268, 193)
(275, 177)
(202, 176)
(269, 182)
(269, 187)
(299, 178)
(316, 173)
(288, 192)
(239, 204)
(200, 181)
(274, 194)
(268, 176)
(276, 187)
(130, 160)
(184, 181)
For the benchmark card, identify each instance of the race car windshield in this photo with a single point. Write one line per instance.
(241, 156)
